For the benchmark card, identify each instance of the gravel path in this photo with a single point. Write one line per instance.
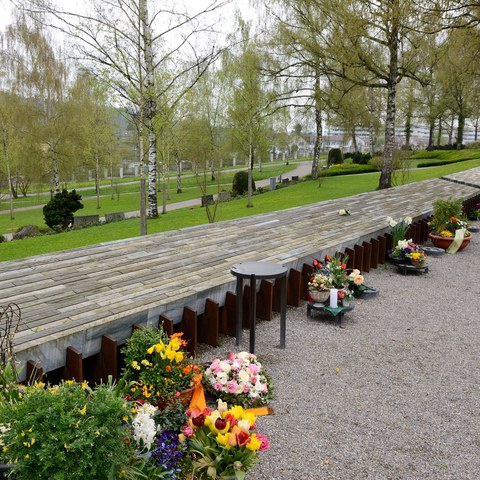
(393, 394)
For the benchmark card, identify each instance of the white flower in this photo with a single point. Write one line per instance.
(391, 221)
(222, 377)
(222, 406)
(144, 429)
(246, 356)
(408, 220)
(226, 367)
(244, 425)
(243, 376)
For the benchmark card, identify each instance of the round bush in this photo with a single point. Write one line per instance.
(58, 212)
(240, 183)
(335, 157)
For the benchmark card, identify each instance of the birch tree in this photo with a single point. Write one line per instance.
(128, 43)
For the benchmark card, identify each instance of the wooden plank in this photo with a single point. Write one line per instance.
(34, 371)
(208, 324)
(189, 328)
(166, 324)
(109, 358)
(265, 300)
(294, 281)
(358, 257)
(382, 249)
(367, 256)
(375, 252)
(351, 258)
(228, 315)
(73, 365)
(307, 272)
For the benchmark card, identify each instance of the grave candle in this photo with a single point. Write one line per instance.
(333, 298)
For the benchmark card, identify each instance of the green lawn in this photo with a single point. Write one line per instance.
(292, 196)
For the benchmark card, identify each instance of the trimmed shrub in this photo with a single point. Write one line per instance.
(360, 158)
(436, 163)
(240, 183)
(335, 157)
(58, 212)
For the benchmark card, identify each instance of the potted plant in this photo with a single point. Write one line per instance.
(239, 379)
(447, 219)
(399, 229)
(157, 369)
(319, 287)
(417, 258)
(402, 250)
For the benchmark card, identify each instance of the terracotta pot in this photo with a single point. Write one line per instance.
(184, 398)
(445, 242)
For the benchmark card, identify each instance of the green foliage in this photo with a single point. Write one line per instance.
(347, 169)
(138, 344)
(360, 158)
(2, 239)
(240, 183)
(58, 212)
(436, 163)
(67, 428)
(443, 211)
(335, 157)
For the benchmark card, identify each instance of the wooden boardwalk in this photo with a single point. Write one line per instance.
(74, 297)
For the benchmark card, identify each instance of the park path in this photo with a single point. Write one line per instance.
(302, 169)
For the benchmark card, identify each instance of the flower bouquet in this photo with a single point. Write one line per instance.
(319, 287)
(240, 379)
(224, 442)
(402, 249)
(399, 229)
(418, 258)
(157, 368)
(448, 218)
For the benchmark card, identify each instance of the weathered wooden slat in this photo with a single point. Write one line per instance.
(74, 365)
(166, 323)
(367, 256)
(351, 258)
(294, 281)
(208, 324)
(228, 315)
(358, 257)
(375, 252)
(189, 328)
(265, 300)
(307, 272)
(34, 371)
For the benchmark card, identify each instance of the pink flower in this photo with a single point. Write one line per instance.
(231, 356)
(188, 431)
(217, 386)
(265, 444)
(232, 386)
(246, 388)
(253, 369)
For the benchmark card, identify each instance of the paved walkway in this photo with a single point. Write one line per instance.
(72, 298)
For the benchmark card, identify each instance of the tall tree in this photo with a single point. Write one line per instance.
(130, 43)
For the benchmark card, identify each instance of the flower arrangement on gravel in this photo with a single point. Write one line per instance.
(224, 442)
(157, 367)
(448, 218)
(417, 257)
(320, 282)
(335, 268)
(404, 248)
(239, 379)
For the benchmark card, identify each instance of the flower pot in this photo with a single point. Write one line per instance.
(445, 242)
(319, 296)
(183, 397)
(418, 263)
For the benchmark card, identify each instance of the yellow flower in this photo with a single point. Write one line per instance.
(32, 441)
(159, 347)
(84, 385)
(69, 382)
(83, 411)
(27, 456)
(97, 433)
(254, 444)
(77, 424)
(222, 439)
(135, 365)
(150, 350)
(179, 357)
(125, 418)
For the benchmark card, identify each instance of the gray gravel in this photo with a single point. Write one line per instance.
(393, 394)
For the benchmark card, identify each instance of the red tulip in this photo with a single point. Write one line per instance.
(220, 423)
(199, 420)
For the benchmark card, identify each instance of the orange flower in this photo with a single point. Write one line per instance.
(327, 257)
(168, 368)
(187, 369)
(344, 266)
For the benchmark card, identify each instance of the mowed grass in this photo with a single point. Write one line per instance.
(293, 196)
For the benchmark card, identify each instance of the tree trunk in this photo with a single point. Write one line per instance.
(150, 109)
(387, 168)
(318, 129)
(460, 128)
(450, 129)
(97, 180)
(354, 139)
(476, 130)
(9, 176)
(178, 163)
(408, 130)
(250, 167)
(439, 136)
(143, 193)
(431, 131)
(56, 174)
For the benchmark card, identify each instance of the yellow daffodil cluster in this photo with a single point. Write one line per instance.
(446, 233)
(171, 351)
